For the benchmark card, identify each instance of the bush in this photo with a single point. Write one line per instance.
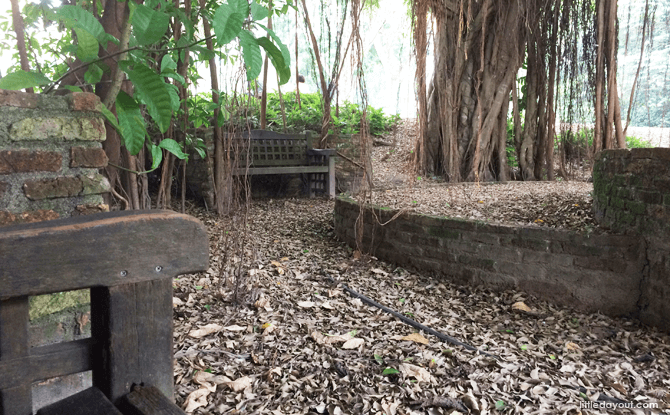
(636, 142)
(298, 119)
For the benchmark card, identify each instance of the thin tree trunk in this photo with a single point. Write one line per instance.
(223, 193)
(600, 77)
(297, 76)
(264, 93)
(639, 65)
(19, 29)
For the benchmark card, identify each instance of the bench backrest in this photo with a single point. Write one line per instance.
(268, 148)
(128, 260)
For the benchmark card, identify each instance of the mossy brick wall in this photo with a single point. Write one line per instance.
(632, 196)
(606, 273)
(50, 156)
(631, 190)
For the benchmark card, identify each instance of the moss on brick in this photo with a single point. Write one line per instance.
(444, 233)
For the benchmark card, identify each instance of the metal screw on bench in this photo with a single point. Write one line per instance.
(124, 273)
(158, 268)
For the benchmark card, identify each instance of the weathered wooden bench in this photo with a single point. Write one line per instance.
(128, 260)
(275, 153)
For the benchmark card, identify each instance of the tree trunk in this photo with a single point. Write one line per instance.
(19, 29)
(478, 50)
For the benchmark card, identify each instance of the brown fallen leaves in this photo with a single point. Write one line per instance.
(270, 355)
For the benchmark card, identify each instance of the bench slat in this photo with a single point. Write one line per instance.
(46, 362)
(87, 402)
(16, 391)
(99, 250)
(282, 170)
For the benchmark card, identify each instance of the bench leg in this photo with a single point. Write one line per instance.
(331, 177)
(136, 322)
(14, 345)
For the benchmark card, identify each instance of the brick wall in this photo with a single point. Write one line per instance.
(632, 190)
(50, 154)
(606, 273)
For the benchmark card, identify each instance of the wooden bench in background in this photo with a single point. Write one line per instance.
(275, 153)
(128, 260)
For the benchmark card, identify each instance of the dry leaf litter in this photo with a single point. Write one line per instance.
(297, 343)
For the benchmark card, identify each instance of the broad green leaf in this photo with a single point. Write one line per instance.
(168, 64)
(156, 156)
(131, 122)
(78, 17)
(154, 93)
(240, 6)
(251, 53)
(277, 59)
(93, 74)
(227, 24)
(87, 45)
(173, 147)
(111, 118)
(175, 76)
(284, 50)
(149, 25)
(174, 96)
(23, 79)
(390, 371)
(258, 12)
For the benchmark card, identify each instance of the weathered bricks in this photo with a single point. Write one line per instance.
(25, 161)
(88, 157)
(65, 187)
(50, 153)
(589, 272)
(58, 128)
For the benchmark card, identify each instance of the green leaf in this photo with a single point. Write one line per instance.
(156, 156)
(175, 76)
(204, 54)
(93, 74)
(390, 371)
(252, 54)
(524, 347)
(227, 23)
(23, 79)
(154, 93)
(149, 25)
(72, 88)
(78, 17)
(240, 6)
(174, 96)
(284, 50)
(379, 359)
(173, 147)
(277, 59)
(111, 118)
(88, 47)
(131, 122)
(258, 12)
(168, 64)
(500, 405)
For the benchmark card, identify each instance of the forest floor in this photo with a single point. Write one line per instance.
(269, 329)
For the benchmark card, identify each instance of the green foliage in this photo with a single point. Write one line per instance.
(636, 142)
(510, 149)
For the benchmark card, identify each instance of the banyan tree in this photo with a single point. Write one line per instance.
(567, 47)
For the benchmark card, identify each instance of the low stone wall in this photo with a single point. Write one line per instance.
(606, 273)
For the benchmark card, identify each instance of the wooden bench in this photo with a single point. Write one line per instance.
(127, 260)
(274, 153)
